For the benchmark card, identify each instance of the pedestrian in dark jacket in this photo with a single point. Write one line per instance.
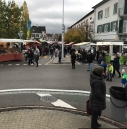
(30, 56)
(97, 96)
(116, 65)
(73, 58)
(60, 55)
(100, 59)
(90, 59)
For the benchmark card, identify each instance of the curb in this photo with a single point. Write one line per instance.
(73, 111)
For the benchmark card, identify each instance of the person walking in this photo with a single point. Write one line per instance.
(73, 58)
(60, 55)
(90, 59)
(30, 56)
(51, 52)
(97, 100)
(116, 65)
(36, 56)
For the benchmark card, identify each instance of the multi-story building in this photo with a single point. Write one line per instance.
(38, 32)
(87, 20)
(110, 20)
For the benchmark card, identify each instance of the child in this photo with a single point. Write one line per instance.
(103, 64)
(109, 72)
(124, 78)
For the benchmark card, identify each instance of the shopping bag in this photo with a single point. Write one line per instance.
(88, 109)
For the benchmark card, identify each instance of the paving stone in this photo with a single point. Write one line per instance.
(44, 119)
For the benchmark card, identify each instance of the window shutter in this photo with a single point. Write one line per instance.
(108, 27)
(101, 14)
(120, 26)
(102, 28)
(111, 26)
(98, 15)
(97, 29)
(116, 25)
(125, 7)
(116, 7)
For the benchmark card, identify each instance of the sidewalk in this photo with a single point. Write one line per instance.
(40, 118)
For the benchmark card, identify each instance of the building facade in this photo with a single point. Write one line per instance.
(110, 20)
(87, 20)
(38, 32)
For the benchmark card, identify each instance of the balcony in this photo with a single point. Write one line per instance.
(121, 12)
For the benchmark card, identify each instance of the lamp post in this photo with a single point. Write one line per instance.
(20, 35)
(63, 28)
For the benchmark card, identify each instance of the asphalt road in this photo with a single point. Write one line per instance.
(18, 75)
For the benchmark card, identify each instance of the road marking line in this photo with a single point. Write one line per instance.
(78, 63)
(49, 61)
(45, 57)
(17, 64)
(41, 95)
(39, 64)
(25, 64)
(58, 103)
(9, 64)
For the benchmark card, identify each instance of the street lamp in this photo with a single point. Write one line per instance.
(63, 28)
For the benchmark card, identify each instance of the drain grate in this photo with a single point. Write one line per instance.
(48, 99)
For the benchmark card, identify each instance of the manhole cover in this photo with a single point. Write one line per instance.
(48, 99)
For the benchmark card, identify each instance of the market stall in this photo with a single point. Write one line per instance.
(111, 48)
(10, 49)
(83, 45)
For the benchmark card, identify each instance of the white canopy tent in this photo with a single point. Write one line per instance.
(12, 40)
(110, 44)
(83, 45)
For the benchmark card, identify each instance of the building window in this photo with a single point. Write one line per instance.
(37, 35)
(114, 26)
(33, 35)
(106, 28)
(90, 18)
(100, 14)
(107, 12)
(99, 29)
(115, 8)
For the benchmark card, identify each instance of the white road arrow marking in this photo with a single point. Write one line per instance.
(58, 103)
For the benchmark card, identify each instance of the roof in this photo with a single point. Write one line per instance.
(38, 29)
(82, 19)
(49, 35)
(99, 4)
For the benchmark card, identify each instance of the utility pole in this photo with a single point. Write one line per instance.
(63, 29)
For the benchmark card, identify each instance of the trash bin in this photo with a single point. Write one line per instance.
(118, 103)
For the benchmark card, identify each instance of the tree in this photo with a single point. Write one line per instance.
(24, 19)
(13, 19)
(77, 35)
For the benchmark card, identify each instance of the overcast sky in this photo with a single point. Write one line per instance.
(48, 13)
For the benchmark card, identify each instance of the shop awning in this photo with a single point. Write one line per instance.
(83, 43)
(109, 43)
(12, 40)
